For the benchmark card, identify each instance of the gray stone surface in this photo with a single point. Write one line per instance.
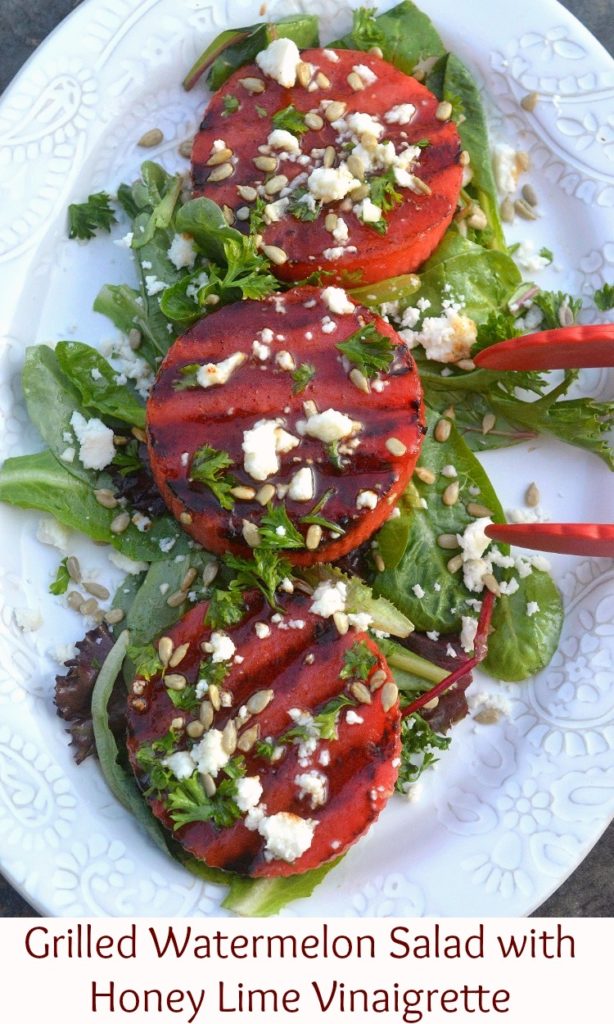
(23, 25)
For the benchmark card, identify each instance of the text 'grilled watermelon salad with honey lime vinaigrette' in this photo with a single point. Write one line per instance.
(279, 448)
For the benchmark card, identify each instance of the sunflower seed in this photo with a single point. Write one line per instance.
(252, 85)
(376, 51)
(379, 562)
(97, 590)
(525, 211)
(229, 215)
(165, 649)
(464, 159)
(532, 496)
(177, 723)
(390, 695)
(529, 193)
(335, 110)
(355, 82)
(507, 211)
(488, 422)
(444, 111)
(475, 509)
(442, 430)
(450, 495)
(455, 563)
(74, 600)
(426, 475)
(491, 584)
(355, 166)
(314, 121)
(243, 493)
(178, 655)
(73, 568)
(220, 156)
(431, 705)
(89, 607)
(530, 101)
(185, 518)
(105, 498)
(342, 623)
(275, 184)
(134, 339)
(174, 681)
(185, 149)
(377, 679)
(488, 716)
(251, 534)
(447, 541)
(265, 163)
(229, 737)
(477, 218)
(313, 538)
(396, 447)
(176, 599)
(205, 714)
(114, 616)
(188, 579)
(265, 494)
(359, 380)
(210, 572)
(121, 523)
(259, 701)
(248, 738)
(214, 696)
(139, 434)
(151, 138)
(523, 160)
(304, 71)
(330, 221)
(221, 173)
(209, 785)
(329, 156)
(275, 254)
(247, 192)
(361, 192)
(361, 693)
(322, 80)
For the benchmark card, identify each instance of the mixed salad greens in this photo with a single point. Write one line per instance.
(407, 577)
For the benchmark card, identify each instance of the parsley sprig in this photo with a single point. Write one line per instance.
(358, 661)
(420, 742)
(604, 297)
(290, 120)
(62, 579)
(209, 468)
(84, 219)
(301, 377)
(369, 350)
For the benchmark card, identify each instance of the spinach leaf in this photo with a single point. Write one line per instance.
(39, 481)
(423, 563)
(51, 400)
(119, 781)
(485, 277)
(236, 47)
(126, 308)
(149, 613)
(452, 81)
(405, 34)
(521, 645)
(204, 221)
(95, 380)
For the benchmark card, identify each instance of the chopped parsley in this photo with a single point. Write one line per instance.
(369, 350)
(301, 377)
(62, 579)
(85, 218)
(208, 468)
(256, 216)
(417, 754)
(290, 120)
(213, 672)
(145, 660)
(498, 327)
(383, 192)
(185, 700)
(303, 206)
(225, 609)
(266, 569)
(277, 529)
(127, 458)
(358, 661)
(324, 726)
(313, 517)
(551, 304)
(187, 377)
(231, 105)
(546, 254)
(604, 297)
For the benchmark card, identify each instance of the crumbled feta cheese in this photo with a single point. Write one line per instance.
(337, 300)
(209, 755)
(218, 373)
(68, 455)
(63, 653)
(364, 124)
(125, 242)
(526, 515)
(182, 252)
(432, 634)
(53, 533)
(509, 587)
(418, 591)
(366, 499)
(261, 352)
(507, 168)
(280, 61)
(340, 232)
(468, 631)
(328, 426)
(274, 212)
(526, 257)
(450, 472)
(181, 764)
(335, 252)
(314, 785)
(220, 647)
(262, 630)
(328, 325)
(281, 139)
(532, 609)
(287, 837)
(484, 699)
(353, 719)
(401, 114)
(28, 619)
(365, 73)
(249, 792)
(141, 521)
(331, 55)
(361, 621)
(262, 444)
(329, 598)
(127, 564)
(451, 653)
(285, 361)
(302, 485)
(129, 364)
(153, 286)
(96, 448)
(446, 338)
(368, 211)
(331, 183)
